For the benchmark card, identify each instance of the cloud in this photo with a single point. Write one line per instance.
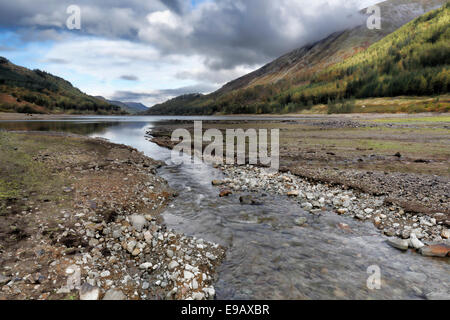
(160, 95)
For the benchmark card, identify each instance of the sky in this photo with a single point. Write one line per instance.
(153, 50)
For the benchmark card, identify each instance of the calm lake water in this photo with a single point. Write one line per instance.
(268, 256)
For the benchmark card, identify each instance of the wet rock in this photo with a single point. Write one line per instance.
(88, 292)
(398, 244)
(301, 221)
(114, 294)
(436, 250)
(217, 183)
(248, 200)
(344, 227)
(225, 193)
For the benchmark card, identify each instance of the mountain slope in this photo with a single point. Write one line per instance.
(130, 107)
(299, 66)
(36, 91)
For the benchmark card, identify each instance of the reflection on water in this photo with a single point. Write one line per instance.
(269, 257)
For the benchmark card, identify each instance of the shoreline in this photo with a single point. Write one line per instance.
(100, 233)
(4, 116)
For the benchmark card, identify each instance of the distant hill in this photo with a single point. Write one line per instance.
(270, 88)
(130, 107)
(35, 91)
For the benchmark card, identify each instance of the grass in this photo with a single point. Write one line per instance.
(412, 120)
(21, 174)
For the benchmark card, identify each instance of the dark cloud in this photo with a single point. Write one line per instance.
(229, 33)
(129, 78)
(178, 6)
(161, 94)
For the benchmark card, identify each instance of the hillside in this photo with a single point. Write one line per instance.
(263, 90)
(130, 107)
(35, 91)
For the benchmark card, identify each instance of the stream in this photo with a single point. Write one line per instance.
(268, 256)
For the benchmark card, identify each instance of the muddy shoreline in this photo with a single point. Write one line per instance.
(93, 228)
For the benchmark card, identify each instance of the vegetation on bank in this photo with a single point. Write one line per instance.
(413, 60)
(35, 91)
(21, 173)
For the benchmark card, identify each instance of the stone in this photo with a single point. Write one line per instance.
(131, 245)
(114, 295)
(398, 244)
(105, 274)
(148, 237)
(4, 279)
(136, 252)
(210, 292)
(445, 234)
(415, 243)
(146, 266)
(344, 227)
(198, 296)
(225, 193)
(436, 250)
(188, 275)
(293, 193)
(301, 221)
(342, 211)
(194, 284)
(138, 222)
(248, 200)
(173, 265)
(307, 206)
(88, 292)
(70, 271)
(368, 211)
(217, 183)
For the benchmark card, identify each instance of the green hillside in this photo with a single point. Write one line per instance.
(36, 91)
(412, 61)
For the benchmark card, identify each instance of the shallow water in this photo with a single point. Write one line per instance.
(268, 256)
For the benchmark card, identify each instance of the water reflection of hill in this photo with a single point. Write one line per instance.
(82, 128)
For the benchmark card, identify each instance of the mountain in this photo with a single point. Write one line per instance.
(130, 107)
(259, 91)
(35, 91)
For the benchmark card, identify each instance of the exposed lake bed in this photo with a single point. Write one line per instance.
(278, 247)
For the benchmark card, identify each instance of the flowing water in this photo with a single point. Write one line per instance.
(268, 256)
